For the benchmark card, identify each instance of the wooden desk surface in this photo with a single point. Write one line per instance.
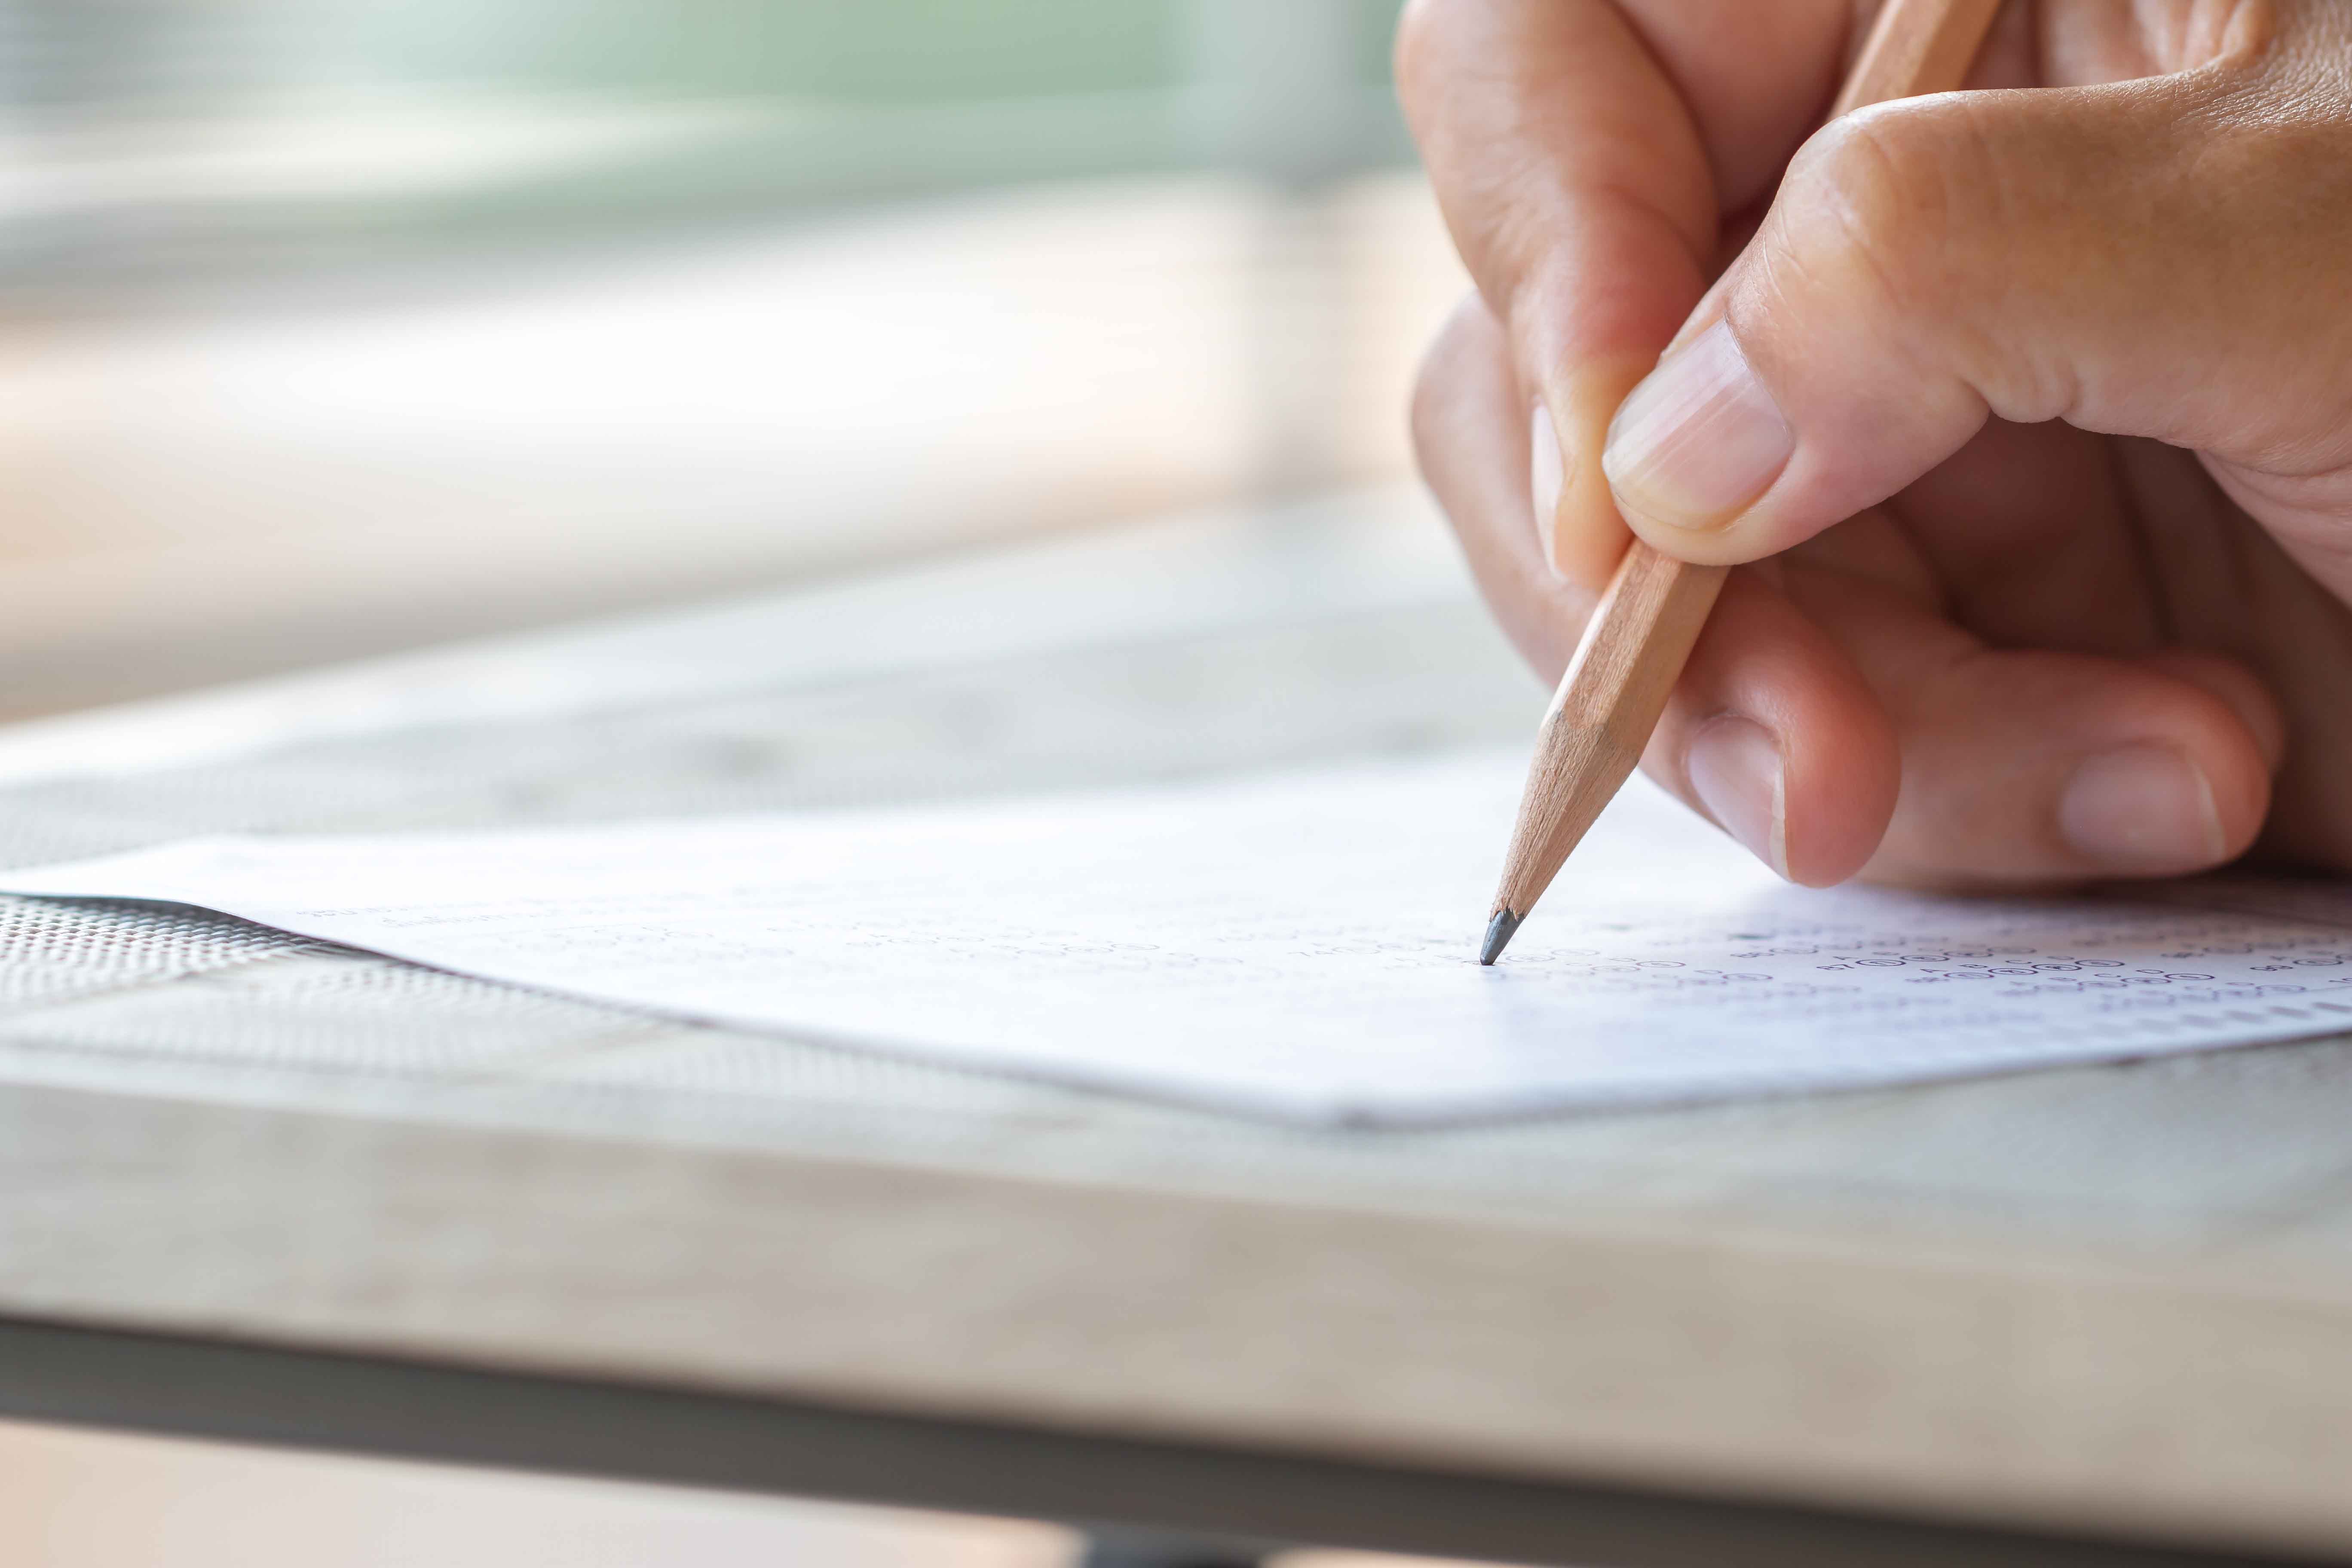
(256, 1187)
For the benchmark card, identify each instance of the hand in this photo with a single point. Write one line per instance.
(2032, 409)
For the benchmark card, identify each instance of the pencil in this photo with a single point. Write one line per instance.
(1641, 634)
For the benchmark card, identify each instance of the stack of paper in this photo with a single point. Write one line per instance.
(1302, 945)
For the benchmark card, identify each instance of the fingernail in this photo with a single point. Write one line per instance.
(1737, 771)
(1546, 478)
(2143, 808)
(1700, 437)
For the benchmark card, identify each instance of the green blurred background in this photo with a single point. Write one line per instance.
(343, 326)
(596, 116)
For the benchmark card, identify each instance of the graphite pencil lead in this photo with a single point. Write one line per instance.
(1498, 935)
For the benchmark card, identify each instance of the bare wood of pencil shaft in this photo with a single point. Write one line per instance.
(1916, 47)
(1642, 633)
(1616, 686)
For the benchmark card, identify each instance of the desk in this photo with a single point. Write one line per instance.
(257, 1188)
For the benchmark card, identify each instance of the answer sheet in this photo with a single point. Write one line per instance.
(1301, 945)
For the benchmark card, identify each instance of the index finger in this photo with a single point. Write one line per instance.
(1584, 153)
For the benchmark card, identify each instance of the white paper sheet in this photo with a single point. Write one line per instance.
(1301, 945)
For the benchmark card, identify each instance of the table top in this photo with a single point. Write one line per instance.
(2108, 1304)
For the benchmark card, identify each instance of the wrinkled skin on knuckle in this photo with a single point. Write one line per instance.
(1876, 250)
(1832, 252)
(1866, 211)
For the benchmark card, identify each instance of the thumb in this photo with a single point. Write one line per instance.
(2151, 258)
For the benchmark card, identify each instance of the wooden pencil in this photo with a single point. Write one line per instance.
(1642, 631)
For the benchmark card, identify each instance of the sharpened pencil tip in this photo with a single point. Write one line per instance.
(1498, 935)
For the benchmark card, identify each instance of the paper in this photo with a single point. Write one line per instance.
(1301, 945)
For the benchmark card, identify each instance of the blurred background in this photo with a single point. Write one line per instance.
(335, 327)
(340, 326)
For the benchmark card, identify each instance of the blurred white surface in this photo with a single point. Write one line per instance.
(1190, 573)
(73, 1499)
(201, 495)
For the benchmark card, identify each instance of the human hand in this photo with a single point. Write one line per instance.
(2032, 411)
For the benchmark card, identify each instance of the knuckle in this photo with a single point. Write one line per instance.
(1871, 202)
(1921, 225)
(1423, 418)
(1437, 384)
